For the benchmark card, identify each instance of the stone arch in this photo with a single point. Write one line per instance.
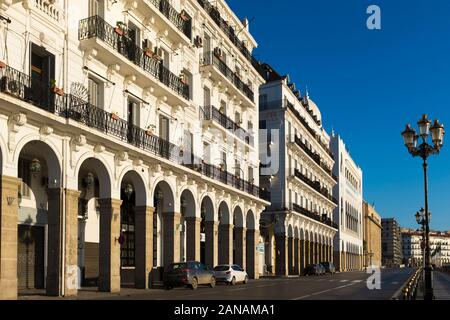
(208, 230)
(102, 208)
(290, 231)
(250, 220)
(167, 218)
(188, 208)
(47, 151)
(39, 166)
(99, 165)
(225, 234)
(209, 210)
(224, 213)
(164, 193)
(139, 185)
(238, 217)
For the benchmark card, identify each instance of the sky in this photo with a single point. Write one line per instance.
(368, 85)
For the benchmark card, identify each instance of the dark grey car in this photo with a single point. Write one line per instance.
(190, 274)
(329, 267)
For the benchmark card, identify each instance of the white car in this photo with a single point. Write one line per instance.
(230, 274)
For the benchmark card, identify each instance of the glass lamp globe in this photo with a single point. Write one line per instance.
(409, 135)
(424, 126)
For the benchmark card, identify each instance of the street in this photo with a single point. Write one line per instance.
(341, 286)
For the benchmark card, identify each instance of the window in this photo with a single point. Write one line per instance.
(164, 128)
(263, 100)
(237, 118)
(206, 152)
(96, 92)
(189, 81)
(166, 59)
(224, 161)
(25, 175)
(96, 8)
(133, 112)
(250, 175)
(223, 107)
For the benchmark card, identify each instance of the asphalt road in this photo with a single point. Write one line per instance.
(341, 286)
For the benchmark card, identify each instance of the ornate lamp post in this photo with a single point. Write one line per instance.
(425, 150)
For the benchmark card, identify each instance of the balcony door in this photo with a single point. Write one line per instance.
(164, 131)
(206, 97)
(133, 120)
(134, 43)
(42, 71)
(97, 8)
(207, 48)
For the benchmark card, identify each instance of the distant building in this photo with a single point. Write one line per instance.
(348, 243)
(412, 248)
(391, 246)
(372, 236)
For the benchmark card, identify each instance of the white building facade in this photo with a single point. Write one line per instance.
(127, 142)
(348, 243)
(413, 248)
(298, 227)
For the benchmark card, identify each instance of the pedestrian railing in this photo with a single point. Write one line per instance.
(411, 288)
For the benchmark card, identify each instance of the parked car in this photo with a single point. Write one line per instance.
(329, 267)
(230, 274)
(313, 270)
(189, 274)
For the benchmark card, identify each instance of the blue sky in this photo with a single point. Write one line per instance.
(368, 85)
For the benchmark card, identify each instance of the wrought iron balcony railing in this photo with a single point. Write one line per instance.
(308, 127)
(314, 216)
(23, 87)
(314, 185)
(210, 58)
(229, 32)
(96, 27)
(211, 113)
(316, 157)
(174, 16)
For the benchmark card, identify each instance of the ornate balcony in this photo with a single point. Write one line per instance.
(308, 128)
(161, 13)
(315, 157)
(315, 185)
(315, 216)
(113, 48)
(210, 113)
(68, 106)
(229, 32)
(211, 62)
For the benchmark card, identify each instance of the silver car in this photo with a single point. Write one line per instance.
(230, 274)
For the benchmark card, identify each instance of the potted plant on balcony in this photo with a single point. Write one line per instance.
(120, 27)
(55, 89)
(184, 15)
(183, 78)
(149, 52)
(150, 130)
(115, 116)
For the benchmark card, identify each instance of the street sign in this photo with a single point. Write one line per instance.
(260, 248)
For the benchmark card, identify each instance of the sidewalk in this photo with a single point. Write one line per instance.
(441, 283)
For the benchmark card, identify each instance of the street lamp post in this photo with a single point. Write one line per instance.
(425, 150)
